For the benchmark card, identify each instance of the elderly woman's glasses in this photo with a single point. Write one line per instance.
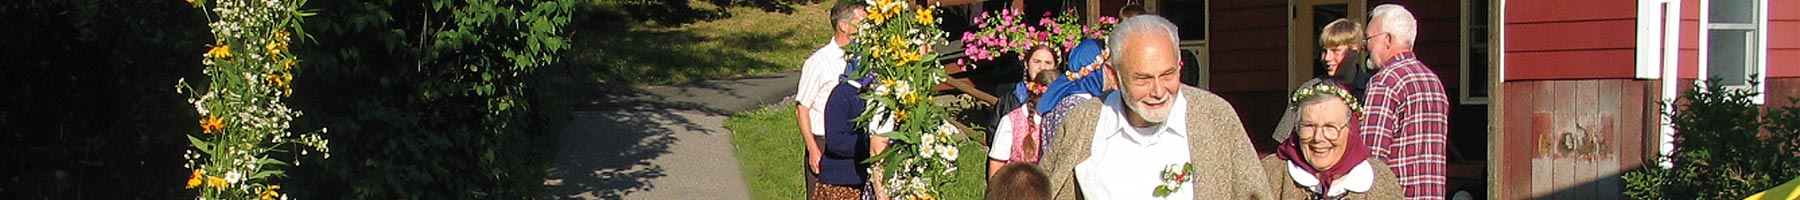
(1310, 130)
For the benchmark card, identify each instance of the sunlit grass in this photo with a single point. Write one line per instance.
(748, 42)
(768, 144)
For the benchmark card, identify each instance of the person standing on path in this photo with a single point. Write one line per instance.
(817, 78)
(1406, 121)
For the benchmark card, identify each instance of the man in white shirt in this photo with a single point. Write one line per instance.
(817, 77)
(1136, 143)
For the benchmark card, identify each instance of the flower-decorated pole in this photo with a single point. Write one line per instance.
(244, 119)
(894, 48)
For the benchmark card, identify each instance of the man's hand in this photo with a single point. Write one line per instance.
(812, 159)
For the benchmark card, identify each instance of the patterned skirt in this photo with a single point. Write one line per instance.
(836, 192)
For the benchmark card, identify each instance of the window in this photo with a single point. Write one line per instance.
(1733, 42)
(1475, 58)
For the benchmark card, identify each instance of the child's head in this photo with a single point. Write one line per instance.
(1018, 181)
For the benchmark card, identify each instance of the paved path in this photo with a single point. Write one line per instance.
(658, 142)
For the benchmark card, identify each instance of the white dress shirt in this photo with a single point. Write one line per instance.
(1126, 163)
(817, 77)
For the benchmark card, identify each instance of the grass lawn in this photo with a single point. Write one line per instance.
(613, 49)
(768, 145)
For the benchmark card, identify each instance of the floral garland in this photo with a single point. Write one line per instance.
(1324, 89)
(244, 119)
(894, 47)
(1006, 33)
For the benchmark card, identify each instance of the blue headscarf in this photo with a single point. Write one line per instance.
(1083, 55)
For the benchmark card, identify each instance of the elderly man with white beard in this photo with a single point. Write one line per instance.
(1156, 138)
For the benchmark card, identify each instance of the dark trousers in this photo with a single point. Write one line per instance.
(812, 179)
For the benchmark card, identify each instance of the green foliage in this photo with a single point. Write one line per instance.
(1725, 148)
(431, 99)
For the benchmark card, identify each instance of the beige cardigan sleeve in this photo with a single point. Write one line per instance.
(1070, 147)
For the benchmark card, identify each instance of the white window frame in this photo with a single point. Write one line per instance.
(1463, 94)
(1760, 51)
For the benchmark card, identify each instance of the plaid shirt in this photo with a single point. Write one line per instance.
(1407, 124)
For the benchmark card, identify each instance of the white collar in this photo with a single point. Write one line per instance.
(1113, 123)
(832, 47)
(1359, 180)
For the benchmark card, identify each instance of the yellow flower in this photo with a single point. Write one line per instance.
(195, 3)
(215, 182)
(212, 124)
(287, 64)
(274, 50)
(221, 51)
(194, 180)
(270, 193)
(925, 17)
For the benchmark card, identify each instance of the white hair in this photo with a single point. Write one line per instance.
(1141, 24)
(1397, 21)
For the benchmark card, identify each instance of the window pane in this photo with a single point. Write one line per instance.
(1732, 11)
(1188, 15)
(1478, 49)
(1190, 68)
(1728, 56)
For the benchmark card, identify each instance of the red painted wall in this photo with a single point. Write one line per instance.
(1249, 62)
(1784, 39)
(1549, 40)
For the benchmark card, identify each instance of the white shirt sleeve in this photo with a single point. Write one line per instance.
(1001, 147)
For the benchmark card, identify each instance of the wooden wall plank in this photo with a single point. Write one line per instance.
(1587, 115)
(1524, 11)
(1576, 35)
(1543, 149)
(1607, 167)
(1616, 63)
(1632, 103)
(1257, 81)
(1784, 63)
(1516, 147)
(1566, 109)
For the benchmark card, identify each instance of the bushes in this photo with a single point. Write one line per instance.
(429, 99)
(1720, 153)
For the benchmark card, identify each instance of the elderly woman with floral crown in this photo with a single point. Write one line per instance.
(1325, 159)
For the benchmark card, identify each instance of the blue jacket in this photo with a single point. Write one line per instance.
(846, 144)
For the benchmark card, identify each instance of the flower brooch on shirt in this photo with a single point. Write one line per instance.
(1172, 177)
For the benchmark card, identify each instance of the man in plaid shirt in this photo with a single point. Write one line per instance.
(1406, 119)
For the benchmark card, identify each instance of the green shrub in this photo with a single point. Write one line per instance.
(429, 99)
(1721, 149)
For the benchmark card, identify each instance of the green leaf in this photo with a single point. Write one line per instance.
(200, 144)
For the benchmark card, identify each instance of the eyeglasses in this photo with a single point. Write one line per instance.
(1309, 130)
(1372, 37)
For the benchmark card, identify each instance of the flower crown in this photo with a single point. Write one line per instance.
(1099, 61)
(1324, 89)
